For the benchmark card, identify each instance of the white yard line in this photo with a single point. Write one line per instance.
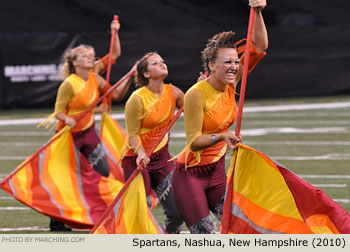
(14, 208)
(6, 198)
(252, 109)
(25, 121)
(26, 133)
(325, 176)
(6, 144)
(13, 157)
(329, 185)
(245, 132)
(329, 156)
(281, 130)
(292, 130)
(324, 115)
(175, 142)
(35, 228)
(318, 143)
(345, 201)
(310, 106)
(301, 122)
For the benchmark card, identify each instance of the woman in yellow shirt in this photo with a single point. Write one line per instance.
(209, 110)
(148, 112)
(81, 88)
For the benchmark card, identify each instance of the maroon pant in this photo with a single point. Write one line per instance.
(86, 141)
(196, 193)
(156, 170)
(89, 144)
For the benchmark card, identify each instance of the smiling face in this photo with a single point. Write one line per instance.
(85, 58)
(156, 68)
(226, 66)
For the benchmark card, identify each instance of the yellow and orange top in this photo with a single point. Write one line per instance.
(74, 96)
(146, 116)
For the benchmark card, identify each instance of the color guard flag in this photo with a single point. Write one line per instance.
(60, 183)
(264, 197)
(113, 137)
(130, 214)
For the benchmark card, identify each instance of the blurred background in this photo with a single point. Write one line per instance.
(308, 54)
(297, 107)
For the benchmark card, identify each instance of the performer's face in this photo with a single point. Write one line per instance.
(156, 67)
(85, 58)
(226, 65)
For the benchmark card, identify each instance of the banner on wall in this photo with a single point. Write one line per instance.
(300, 62)
(31, 66)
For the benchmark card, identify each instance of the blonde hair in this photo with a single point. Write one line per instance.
(141, 68)
(69, 56)
(219, 40)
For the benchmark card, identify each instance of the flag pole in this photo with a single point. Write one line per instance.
(57, 135)
(109, 67)
(227, 204)
(135, 172)
(245, 71)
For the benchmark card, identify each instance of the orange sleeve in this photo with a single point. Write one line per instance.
(254, 56)
(104, 60)
(105, 88)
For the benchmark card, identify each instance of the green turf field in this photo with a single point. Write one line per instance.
(311, 137)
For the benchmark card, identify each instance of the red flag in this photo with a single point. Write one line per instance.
(264, 197)
(113, 137)
(131, 214)
(60, 183)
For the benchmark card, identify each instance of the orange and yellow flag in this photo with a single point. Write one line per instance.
(60, 183)
(130, 215)
(113, 137)
(263, 197)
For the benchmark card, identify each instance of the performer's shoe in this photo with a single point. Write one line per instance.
(58, 226)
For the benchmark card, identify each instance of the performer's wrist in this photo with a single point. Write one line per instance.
(66, 119)
(213, 138)
(139, 152)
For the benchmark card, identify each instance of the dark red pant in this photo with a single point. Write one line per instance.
(89, 144)
(156, 170)
(196, 193)
(86, 140)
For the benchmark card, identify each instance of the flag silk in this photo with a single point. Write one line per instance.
(113, 137)
(130, 215)
(60, 183)
(263, 197)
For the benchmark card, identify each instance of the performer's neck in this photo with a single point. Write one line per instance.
(217, 84)
(156, 86)
(83, 73)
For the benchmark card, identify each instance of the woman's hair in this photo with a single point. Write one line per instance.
(219, 40)
(69, 56)
(141, 68)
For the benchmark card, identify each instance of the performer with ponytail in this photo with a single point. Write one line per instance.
(81, 87)
(209, 110)
(148, 111)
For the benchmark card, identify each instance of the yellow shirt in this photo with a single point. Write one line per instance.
(146, 116)
(207, 111)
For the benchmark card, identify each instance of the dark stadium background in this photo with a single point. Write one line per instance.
(308, 54)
